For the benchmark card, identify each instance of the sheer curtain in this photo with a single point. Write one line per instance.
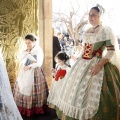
(8, 108)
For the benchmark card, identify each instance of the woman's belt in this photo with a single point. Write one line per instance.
(97, 53)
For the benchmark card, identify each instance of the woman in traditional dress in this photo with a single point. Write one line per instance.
(8, 108)
(91, 90)
(31, 90)
(61, 69)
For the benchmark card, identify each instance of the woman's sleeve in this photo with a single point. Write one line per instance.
(110, 50)
(23, 55)
(30, 57)
(39, 62)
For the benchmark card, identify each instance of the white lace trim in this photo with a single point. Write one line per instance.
(75, 112)
(108, 54)
(105, 33)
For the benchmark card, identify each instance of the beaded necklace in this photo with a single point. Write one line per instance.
(95, 28)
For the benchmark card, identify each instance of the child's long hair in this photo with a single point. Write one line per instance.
(63, 56)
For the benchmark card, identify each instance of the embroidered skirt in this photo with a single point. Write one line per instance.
(36, 103)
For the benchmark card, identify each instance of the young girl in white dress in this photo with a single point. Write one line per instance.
(58, 76)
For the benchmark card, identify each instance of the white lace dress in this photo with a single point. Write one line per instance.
(8, 108)
(55, 87)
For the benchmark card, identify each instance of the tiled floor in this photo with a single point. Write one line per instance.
(49, 115)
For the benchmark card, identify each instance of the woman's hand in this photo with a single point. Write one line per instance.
(53, 71)
(26, 68)
(95, 69)
(28, 49)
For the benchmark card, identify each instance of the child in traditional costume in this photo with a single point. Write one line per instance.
(62, 68)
